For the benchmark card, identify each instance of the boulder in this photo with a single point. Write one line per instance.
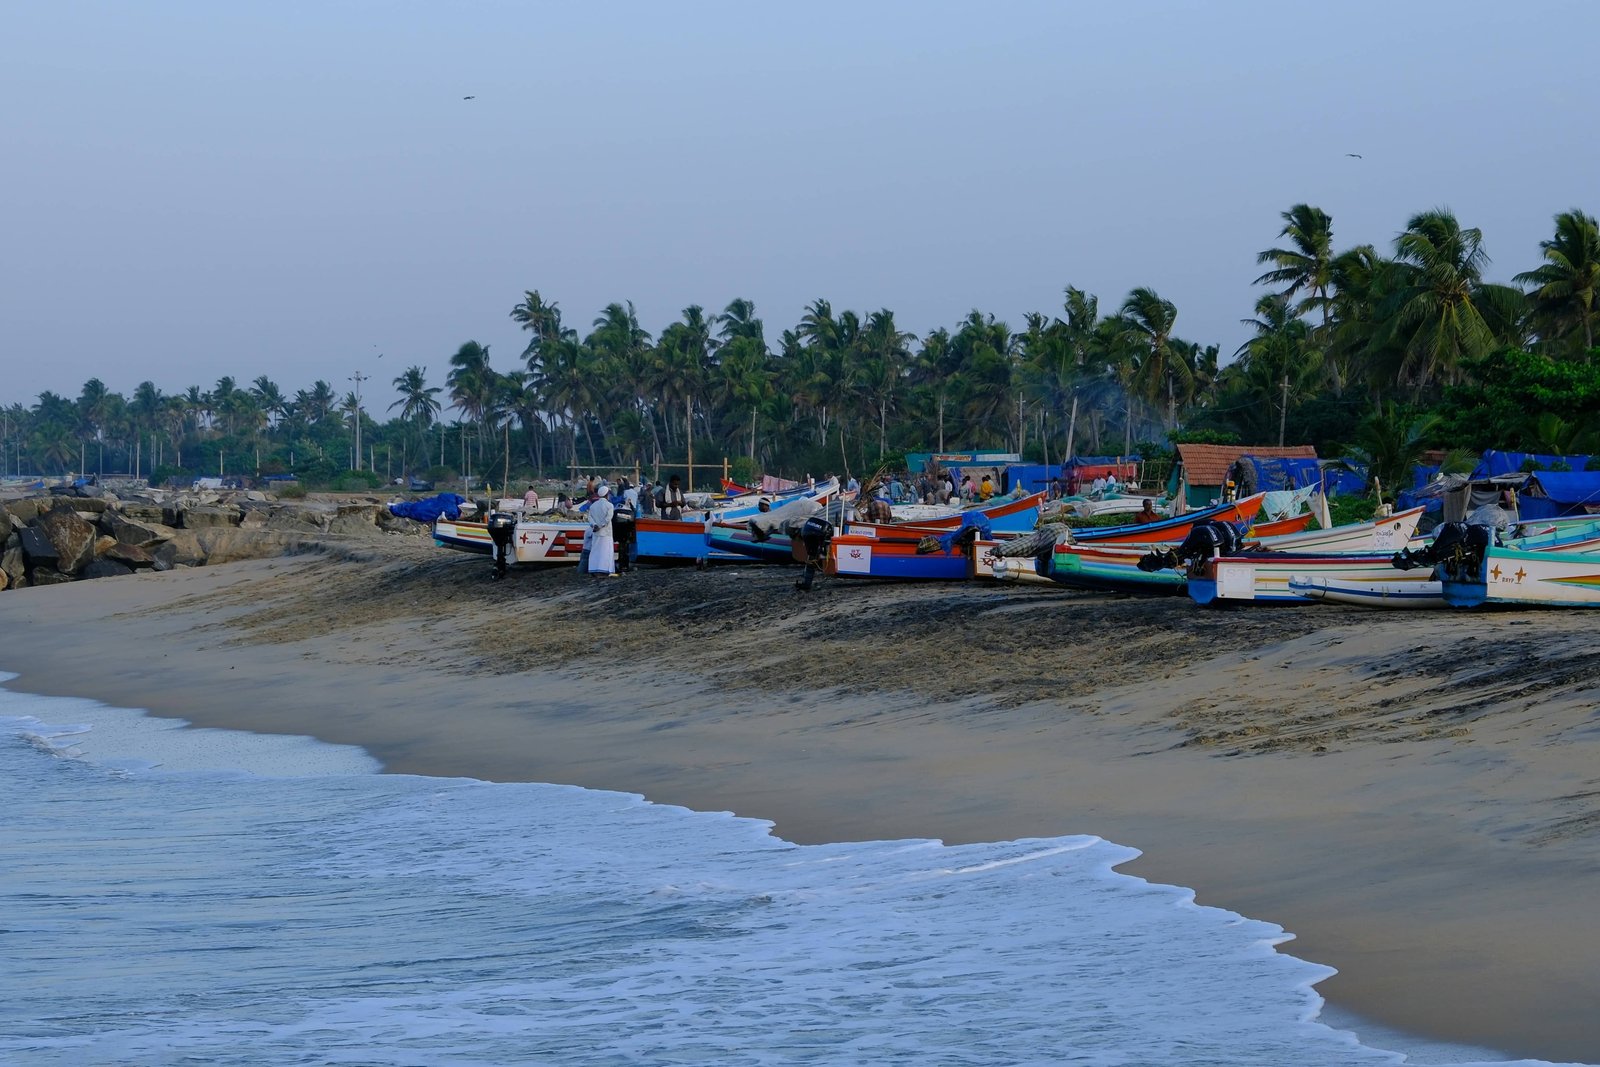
(354, 519)
(7, 525)
(225, 545)
(209, 516)
(293, 518)
(48, 576)
(37, 547)
(24, 511)
(140, 532)
(102, 544)
(105, 568)
(135, 556)
(140, 512)
(72, 537)
(15, 567)
(183, 547)
(254, 519)
(94, 505)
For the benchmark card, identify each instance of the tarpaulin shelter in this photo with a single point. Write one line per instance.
(1032, 477)
(1081, 471)
(1202, 470)
(1552, 494)
(1494, 463)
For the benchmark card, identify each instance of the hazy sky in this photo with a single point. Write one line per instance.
(199, 189)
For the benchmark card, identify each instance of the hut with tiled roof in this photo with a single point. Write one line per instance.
(1202, 470)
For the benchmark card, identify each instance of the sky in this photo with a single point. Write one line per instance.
(193, 190)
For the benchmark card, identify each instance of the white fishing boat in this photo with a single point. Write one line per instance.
(1510, 577)
(1423, 594)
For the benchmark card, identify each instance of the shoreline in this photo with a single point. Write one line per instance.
(1417, 842)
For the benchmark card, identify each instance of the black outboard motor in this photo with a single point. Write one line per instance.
(625, 532)
(502, 528)
(811, 548)
(1206, 541)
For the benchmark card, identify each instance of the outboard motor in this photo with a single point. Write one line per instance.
(810, 546)
(502, 528)
(1457, 547)
(1206, 541)
(625, 532)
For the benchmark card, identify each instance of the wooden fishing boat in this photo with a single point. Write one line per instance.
(1409, 595)
(1263, 577)
(1115, 568)
(1518, 578)
(537, 541)
(684, 540)
(1293, 524)
(1171, 530)
(895, 558)
(1017, 515)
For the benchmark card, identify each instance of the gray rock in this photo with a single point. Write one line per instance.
(139, 512)
(94, 505)
(24, 511)
(37, 547)
(140, 532)
(72, 537)
(105, 568)
(48, 576)
(226, 545)
(15, 567)
(135, 556)
(183, 547)
(207, 517)
(294, 518)
(354, 519)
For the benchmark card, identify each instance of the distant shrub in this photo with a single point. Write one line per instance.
(291, 491)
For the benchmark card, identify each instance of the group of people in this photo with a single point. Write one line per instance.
(611, 513)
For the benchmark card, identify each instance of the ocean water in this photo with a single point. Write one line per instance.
(180, 896)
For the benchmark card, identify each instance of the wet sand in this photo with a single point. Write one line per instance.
(1416, 796)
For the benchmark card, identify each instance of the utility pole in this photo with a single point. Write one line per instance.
(358, 378)
(1283, 412)
(1072, 426)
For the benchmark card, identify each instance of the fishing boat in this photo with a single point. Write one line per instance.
(1410, 595)
(684, 540)
(1172, 530)
(1294, 524)
(1515, 577)
(546, 540)
(1115, 568)
(896, 558)
(1263, 577)
(1010, 516)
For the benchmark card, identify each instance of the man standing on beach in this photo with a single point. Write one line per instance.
(602, 545)
(672, 502)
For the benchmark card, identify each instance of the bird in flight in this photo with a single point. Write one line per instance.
(469, 98)
(1352, 155)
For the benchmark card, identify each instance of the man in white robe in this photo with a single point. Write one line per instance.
(602, 546)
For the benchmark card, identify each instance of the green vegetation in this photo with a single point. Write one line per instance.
(1372, 356)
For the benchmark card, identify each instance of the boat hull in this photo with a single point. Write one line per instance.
(893, 559)
(1263, 577)
(1526, 579)
(1173, 530)
(1391, 595)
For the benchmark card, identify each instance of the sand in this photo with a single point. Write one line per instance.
(1415, 796)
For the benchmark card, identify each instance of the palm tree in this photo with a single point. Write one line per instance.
(1389, 444)
(1564, 299)
(1442, 312)
(472, 385)
(268, 398)
(1280, 363)
(540, 319)
(1307, 265)
(886, 350)
(417, 401)
(1147, 322)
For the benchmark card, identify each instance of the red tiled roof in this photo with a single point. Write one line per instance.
(1208, 464)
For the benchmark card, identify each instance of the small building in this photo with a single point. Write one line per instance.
(1202, 470)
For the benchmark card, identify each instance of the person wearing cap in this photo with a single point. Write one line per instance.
(602, 545)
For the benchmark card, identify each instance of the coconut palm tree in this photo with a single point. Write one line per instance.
(269, 398)
(417, 401)
(1147, 322)
(1306, 266)
(1442, 313)
(541, 319)
(1563, 301)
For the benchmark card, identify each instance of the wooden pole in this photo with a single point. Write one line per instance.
(1072, 426)
(688, 431)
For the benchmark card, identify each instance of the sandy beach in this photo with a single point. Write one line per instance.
(1415, 796)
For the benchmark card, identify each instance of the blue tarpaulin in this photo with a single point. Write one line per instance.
(1552, 494)
(445, 505)
(1033, 477)
(1495, 463)
(1275, 473)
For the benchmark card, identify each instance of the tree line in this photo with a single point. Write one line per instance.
(1354, 350)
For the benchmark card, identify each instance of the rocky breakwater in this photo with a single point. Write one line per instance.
(68, 535)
